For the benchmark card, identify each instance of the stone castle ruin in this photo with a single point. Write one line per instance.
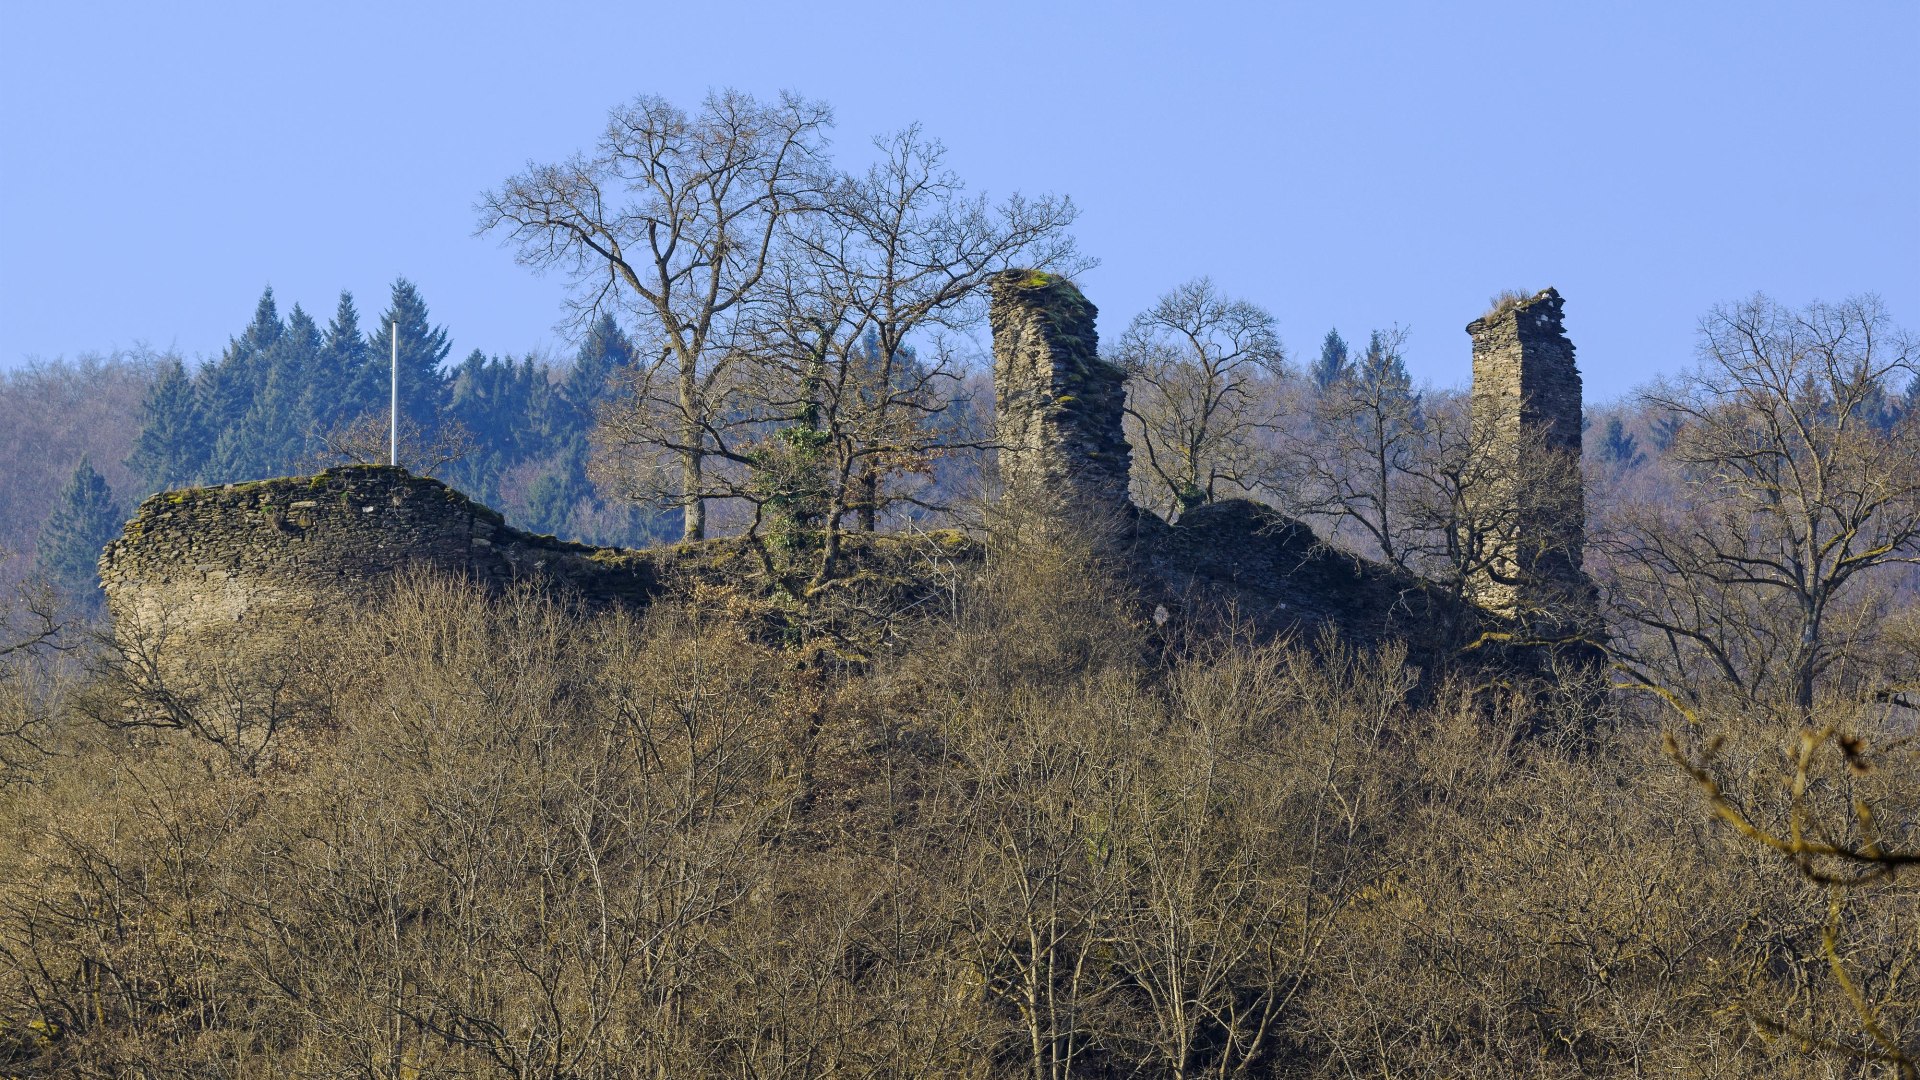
(1526, 398)
(197, 564)
(1057, 404)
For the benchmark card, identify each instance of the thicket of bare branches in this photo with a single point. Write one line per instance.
(675, 214)
(1793, 493)
(1202, 374)
(498, 837)
(803, 318)
(52, 414)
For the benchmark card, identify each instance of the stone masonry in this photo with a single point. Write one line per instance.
(1058, 405)
(202, 567)
(1527, 404)
(195, 563)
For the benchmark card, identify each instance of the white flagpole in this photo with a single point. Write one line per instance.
(393, 427)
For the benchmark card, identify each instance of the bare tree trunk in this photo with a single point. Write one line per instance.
(869, 500)
(692, 461)
(694, 512)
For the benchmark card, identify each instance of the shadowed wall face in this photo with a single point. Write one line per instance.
(1527, 399)
(1058, 406)
(195, 564)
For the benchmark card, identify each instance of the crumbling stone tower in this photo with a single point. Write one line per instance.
(1058, 406)
(1529, 519)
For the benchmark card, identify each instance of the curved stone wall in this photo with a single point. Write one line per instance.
(205, 558)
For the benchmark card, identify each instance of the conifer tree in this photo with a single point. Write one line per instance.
(83, 521)
(1381, 366)
(171, 450)
(502, 407)
(1621, 447)
(552, 500)
(269, 437)
(423, 347)
(266, 327)
(1333, 364)
(606, 352)
(282, 415)
(356, 385)
(227, 386)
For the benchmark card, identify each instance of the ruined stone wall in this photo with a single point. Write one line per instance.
(1058, 405)
(199, 561)
(1527, 405)
(214, 565)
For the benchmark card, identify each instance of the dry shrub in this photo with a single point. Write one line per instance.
(1504, 301)
(510, 838)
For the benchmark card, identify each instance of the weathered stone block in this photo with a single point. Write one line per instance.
(1058, 405)
(1527, 404)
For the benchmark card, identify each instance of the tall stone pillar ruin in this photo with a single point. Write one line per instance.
(1528, 522)
(1058, 406)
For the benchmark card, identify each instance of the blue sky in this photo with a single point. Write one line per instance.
(1343, 164)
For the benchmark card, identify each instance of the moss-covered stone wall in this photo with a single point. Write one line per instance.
(1058, 406)
(205, 558)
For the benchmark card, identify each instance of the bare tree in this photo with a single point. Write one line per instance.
(1199, 396)
(30, 630)
(676, 214)
(1461, 522)
(865, 334)
(1347, 464)
(1799, 488)
(367, 440)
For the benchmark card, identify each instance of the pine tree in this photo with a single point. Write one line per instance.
(354, 383)
(266, 327)
(593, 377)
(171, 450)
(1381, 367)
(1333, 364)
(1621, 448)
(503, 409)
(269, 437)
(226, 390)
(83, 521)
(552, 499)
(1666, 429)
(423, 347)
(282, 414)
(226, 386)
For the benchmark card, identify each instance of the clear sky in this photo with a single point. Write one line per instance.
(1344, 164)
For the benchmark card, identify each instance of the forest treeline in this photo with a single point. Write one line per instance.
(87, 440)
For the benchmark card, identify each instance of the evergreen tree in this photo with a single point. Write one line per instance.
(283, 412)
(1621, 448)
(423, 347)
(171, 450)
(226, 387)
(503, 408)
(1381, 367)
(1333, 364)
(1882, 409)
(594, 375)
(553, 499)
(354, 383)
(1666, 429)
(271, 437)
(266, 327)
(83, 521)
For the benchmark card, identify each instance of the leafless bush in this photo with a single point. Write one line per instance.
(499, 836)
